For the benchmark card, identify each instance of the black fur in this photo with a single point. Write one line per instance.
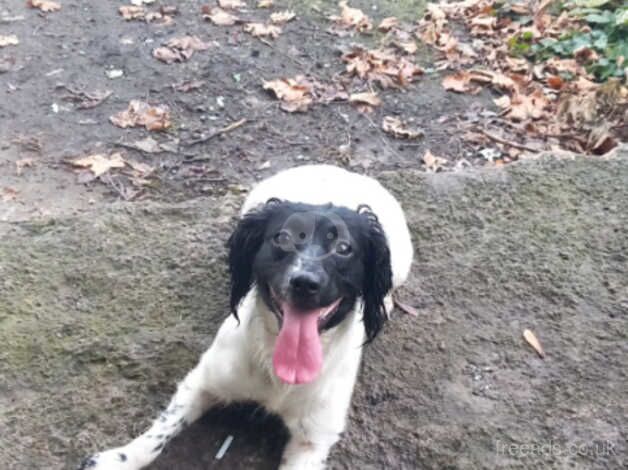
(378, 277)
(253, 258)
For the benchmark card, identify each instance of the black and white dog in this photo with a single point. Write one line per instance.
(313, 262)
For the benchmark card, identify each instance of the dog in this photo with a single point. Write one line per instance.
(313, 262)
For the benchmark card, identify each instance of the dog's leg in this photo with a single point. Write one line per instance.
(187, 405)
(310, 441)
(204, 386)
(314, 433)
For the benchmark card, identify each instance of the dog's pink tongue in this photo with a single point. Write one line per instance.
(298, 355)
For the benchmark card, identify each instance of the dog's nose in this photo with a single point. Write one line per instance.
(305, 282)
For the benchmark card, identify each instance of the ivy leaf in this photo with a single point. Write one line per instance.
(600, 19)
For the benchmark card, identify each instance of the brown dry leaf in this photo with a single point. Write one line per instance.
(44, 5)
(368, 97)
(523, 107)
(142, 169)
(9, 194)
(555, 82)
(396, 127)
(10, 40)
(460, 82)
(23, 163)
(188, 85)
(601, 140)
(388, 23)
(295, 93)
(231, 4)
(131, 12)
(484, 22)
(167, 55)
(381, 66)
(218, 16)
(262, 30)
(351, 18)
(282, 17)
(139, 113)
(517, 64)
(147, 145)
(409, 47)
(502, 102)
(532, 340)
(432, 162)
(180, 49)
(265, 3)
(99, 164)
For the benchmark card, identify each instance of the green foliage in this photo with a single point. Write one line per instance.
(606, 34)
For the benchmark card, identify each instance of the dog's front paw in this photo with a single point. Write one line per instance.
(114, 459)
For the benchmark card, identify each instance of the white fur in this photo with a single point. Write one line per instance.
(238, 365)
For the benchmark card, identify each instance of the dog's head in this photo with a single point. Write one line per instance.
(311, 264)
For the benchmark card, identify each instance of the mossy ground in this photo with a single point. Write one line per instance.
(102, 314)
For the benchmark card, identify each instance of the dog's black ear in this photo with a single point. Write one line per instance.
(243, 244)
(377, 275)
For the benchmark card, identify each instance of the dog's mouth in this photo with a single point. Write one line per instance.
(298, 354)
(325, 314)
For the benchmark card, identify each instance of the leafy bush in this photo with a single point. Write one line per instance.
(602, 35)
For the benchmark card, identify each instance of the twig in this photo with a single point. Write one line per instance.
(507, 142)
(405, 307)
(211, 135)
(287, 56)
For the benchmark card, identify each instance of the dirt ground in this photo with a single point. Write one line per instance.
(104, 312)
(106, 302)
(74, 48)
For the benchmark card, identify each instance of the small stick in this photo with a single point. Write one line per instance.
(224, 447)
(507, 142)
(405, 308)
(211, 135)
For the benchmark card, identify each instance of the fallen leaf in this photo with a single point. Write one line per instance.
(502, 102)
(148, 145)
(295, 93)
(555, 82)
(396, 127)
(180, 49)
(99, 164)
(282, 17)
(262, 30)
(523, 107)
(231, 4)
(601, 140)
(44, 5)
(10, 40)
(132, 12)
(351, 18)
(142, 168)
(460, 82)
(189, 85)
(368, 97)
(388, 23)
(432, 162)
(87, 100)
(409, 47)
(265, 3)
(23, 163)
(218, 16)
(139, 113)
(9, 194)
(532, 340)
(381, 66)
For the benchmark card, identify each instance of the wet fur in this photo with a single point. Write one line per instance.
(238, 366)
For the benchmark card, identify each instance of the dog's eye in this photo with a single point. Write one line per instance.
(282, 238)
(343, 248)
